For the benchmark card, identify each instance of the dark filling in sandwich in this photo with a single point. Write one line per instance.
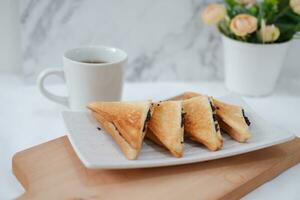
(215, 117)
(213, 108)
(182, 122)
(182, 118)
(147, 120)
(246, 118)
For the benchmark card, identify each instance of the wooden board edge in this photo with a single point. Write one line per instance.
(238, 193)
(266, 176)
(17, 169)
(18, 172)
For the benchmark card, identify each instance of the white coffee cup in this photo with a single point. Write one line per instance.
(92, 73)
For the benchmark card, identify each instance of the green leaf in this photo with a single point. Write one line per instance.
(224, 28)
(293, 17)
(287, 31)
(271, 2)
(253, 10)
(282, 4)
(230, 3)
(269, 9)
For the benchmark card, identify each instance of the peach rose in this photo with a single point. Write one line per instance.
(295, 5)
(268, 33)
(213, 13)
(246, 2)
(243, 24)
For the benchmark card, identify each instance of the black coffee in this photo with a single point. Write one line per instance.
(94, 61)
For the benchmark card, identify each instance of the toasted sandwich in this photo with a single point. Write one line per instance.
(166, 126)
(186, 95)
(126, 122)
(233, 120)
(200, 122)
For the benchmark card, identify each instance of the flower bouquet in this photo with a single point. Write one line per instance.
(256, 36)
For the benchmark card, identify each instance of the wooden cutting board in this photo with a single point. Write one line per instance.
(53, 171)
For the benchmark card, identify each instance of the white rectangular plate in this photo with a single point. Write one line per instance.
(97, 150)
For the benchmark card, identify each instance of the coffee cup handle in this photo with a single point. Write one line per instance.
(53, 97)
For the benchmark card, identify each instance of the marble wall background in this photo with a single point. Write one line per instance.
(165, 39)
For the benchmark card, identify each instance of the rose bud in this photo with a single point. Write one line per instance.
(213, 13)
(295, 5)
(246, 2)
(243, 24)
(268, 33)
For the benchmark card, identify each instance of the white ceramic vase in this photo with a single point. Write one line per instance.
(252, 69)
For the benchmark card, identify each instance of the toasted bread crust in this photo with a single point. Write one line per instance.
(128, 117)
(230, 118)
(130, 152)
(153, 138)
(232, 121)
(185, 95)
(199, 123)
(238, 136)
(165, 124)
(127, 122)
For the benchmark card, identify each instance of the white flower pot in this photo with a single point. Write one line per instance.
(252, 69)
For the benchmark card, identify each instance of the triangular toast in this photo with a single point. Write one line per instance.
(128, 150)
(185, 95)
(165, 126)
(231, 118)
(233, 121)
(125, 121)
(200, 123)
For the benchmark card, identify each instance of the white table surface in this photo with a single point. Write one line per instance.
(27, 119)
